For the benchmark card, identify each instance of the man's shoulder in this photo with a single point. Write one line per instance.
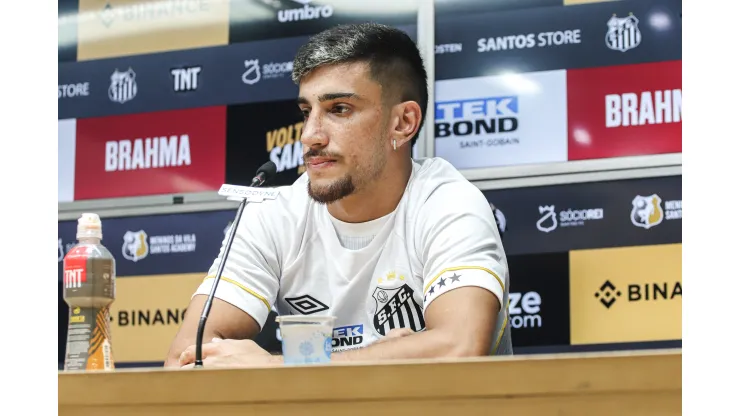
(438, 184)
(290, 205)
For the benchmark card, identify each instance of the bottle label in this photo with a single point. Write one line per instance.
(75, 267)
(88, 340)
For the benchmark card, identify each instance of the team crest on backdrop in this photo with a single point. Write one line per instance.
(122, 86)
(135, 245)
(622, 33)
(646, 211)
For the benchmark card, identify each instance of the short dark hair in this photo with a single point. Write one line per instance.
(394, 59)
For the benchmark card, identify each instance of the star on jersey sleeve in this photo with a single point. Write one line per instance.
(249, 280)
(460, 243)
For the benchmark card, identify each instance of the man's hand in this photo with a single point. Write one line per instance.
(229, 353)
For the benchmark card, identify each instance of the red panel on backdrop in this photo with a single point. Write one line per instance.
(151, 153)
(626, 110)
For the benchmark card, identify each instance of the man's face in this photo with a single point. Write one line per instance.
(344, 133)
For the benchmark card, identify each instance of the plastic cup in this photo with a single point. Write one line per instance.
(306, 339)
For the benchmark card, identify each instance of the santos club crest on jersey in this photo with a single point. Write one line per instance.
(396, 308)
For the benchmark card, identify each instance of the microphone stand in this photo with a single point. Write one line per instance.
(257, 181)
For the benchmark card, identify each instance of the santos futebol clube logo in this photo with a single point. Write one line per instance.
(623, 33)
(123, 86)
(648, 211)
(137, 245)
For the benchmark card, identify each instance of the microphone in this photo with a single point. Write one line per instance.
(265, 172)
(244, 194)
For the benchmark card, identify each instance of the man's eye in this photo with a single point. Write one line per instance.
(305, 113)
(340, 109)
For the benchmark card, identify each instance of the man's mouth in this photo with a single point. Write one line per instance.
(320, 162)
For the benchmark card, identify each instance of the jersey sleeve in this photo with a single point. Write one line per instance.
(250, 279)
(460, 243)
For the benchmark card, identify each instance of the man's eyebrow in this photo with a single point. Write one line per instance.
(330, 96)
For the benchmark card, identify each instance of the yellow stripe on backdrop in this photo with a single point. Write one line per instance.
(147, 313)
(626, 294)
(109, 28)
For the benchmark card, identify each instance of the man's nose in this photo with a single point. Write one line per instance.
(313, 134)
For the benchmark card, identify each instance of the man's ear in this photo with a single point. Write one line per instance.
(405, 122)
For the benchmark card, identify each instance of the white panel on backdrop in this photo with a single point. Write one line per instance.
(502, 120)
(66, 169)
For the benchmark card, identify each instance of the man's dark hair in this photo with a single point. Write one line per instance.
(394, 60)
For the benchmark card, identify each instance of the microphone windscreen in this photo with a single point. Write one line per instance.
(269, 170)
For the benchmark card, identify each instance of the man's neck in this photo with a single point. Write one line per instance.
(374, 201)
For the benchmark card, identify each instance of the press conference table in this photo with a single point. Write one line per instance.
(619, 383)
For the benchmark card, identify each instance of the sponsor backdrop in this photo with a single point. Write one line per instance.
(129, 27)
(626, 294)
(602, 267)
(150, 153)
(67, 33)
(518, 82)
(179, 96)
(625, 110)
(66, 159)
(501, 120)
(499, 102)
(252, 20)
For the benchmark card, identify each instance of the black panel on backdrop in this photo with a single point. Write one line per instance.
(260, 19)
(550, 38)
(158, 244)
(256, 133)
(590, 215)
(539, 299)
(449, 8)
(220, 75)
(67, 30)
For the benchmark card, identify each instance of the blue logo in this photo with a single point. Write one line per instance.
(476, 108)
(306, 348)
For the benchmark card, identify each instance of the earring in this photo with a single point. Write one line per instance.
(394, 144)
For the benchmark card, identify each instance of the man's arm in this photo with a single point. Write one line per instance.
(225, 321)
(246, 291)
(459, 324)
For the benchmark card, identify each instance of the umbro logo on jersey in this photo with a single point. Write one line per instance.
(306, 304)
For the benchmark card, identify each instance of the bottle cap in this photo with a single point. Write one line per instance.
(89, 226)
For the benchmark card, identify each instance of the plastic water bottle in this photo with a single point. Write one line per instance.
(89, 290)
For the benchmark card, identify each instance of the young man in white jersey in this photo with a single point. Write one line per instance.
(406, 254)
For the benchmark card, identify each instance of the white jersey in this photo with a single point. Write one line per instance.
(291, 254)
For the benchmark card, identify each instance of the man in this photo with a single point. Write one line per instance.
(404, 252)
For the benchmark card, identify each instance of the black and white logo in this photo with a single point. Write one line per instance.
(397, 308)
(524, 309)
(252, 74)
(622, 33)
(607, 294)
(500, 218)
(306, 304)
(122, 86)
(307, 12)
(549, 220)
(185, 79)
(80, 89)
